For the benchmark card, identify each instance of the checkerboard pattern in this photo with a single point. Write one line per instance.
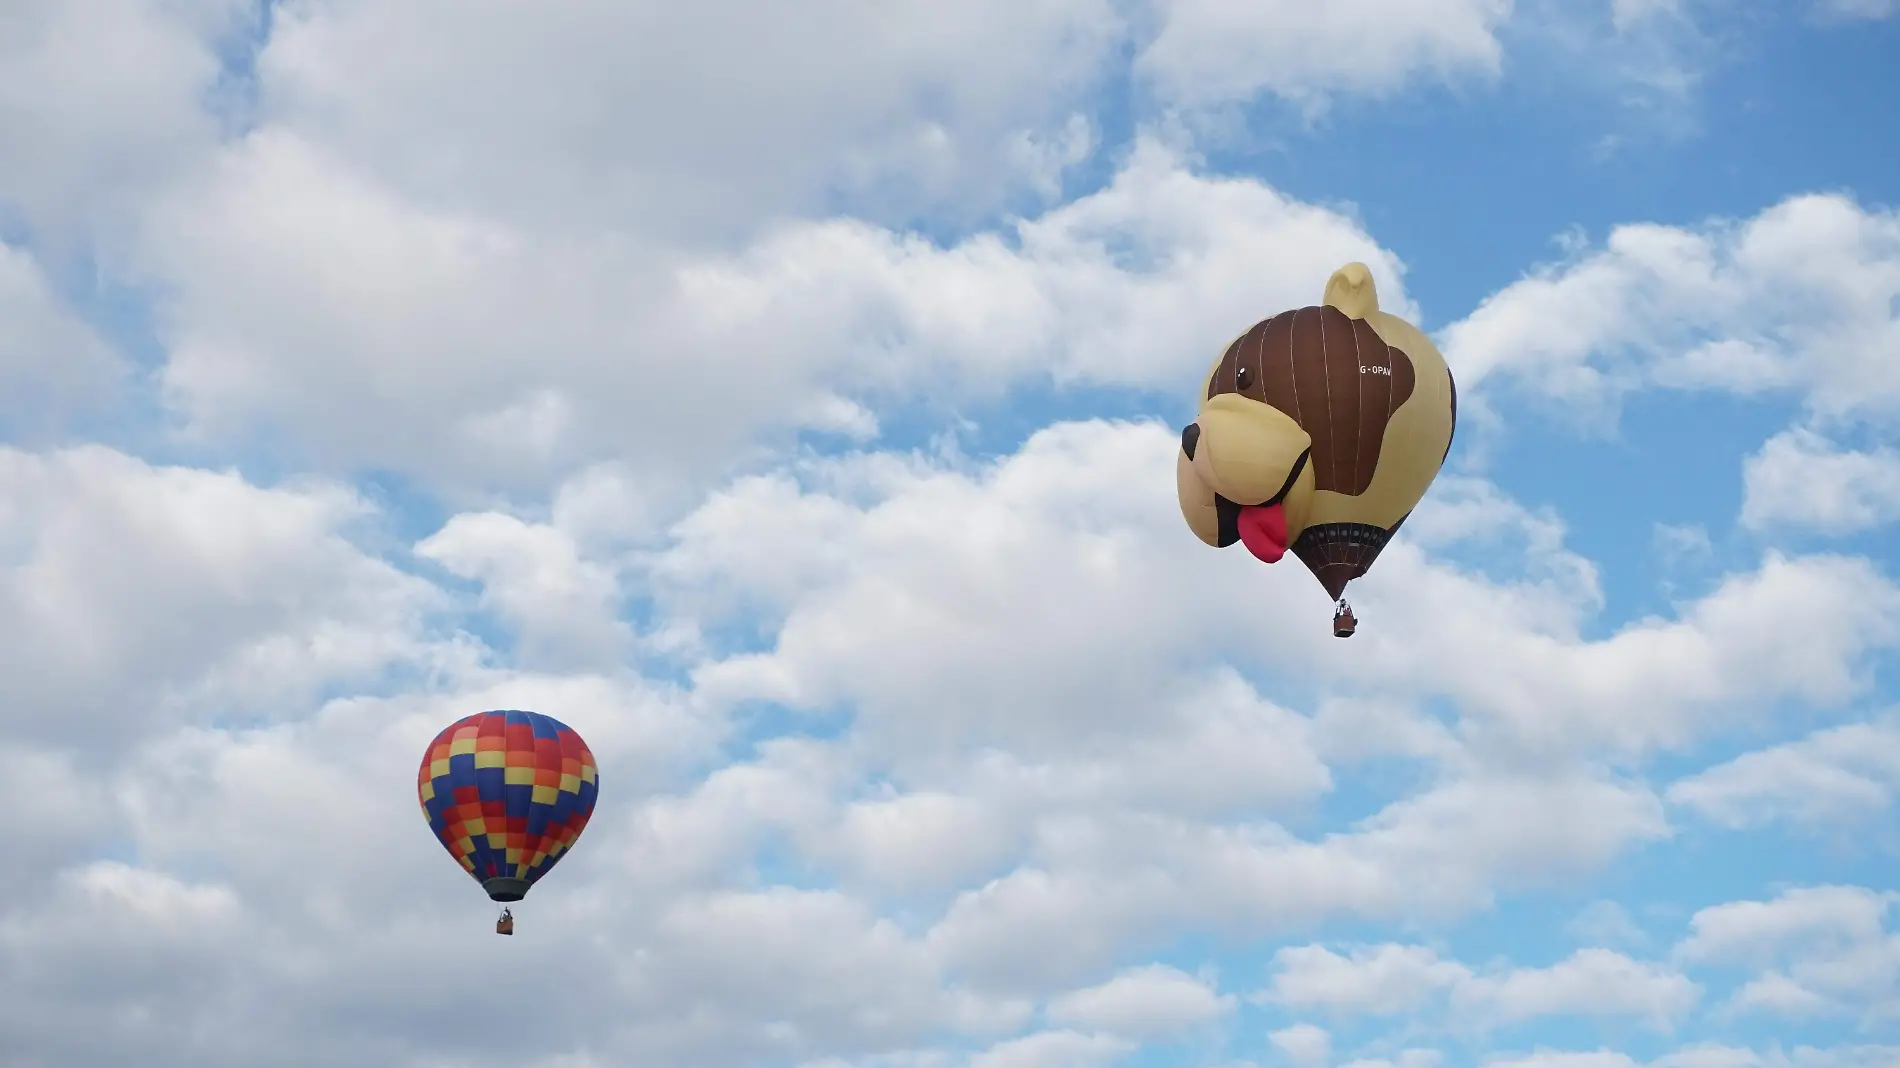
(507, 792)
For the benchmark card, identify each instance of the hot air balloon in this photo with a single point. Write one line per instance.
(507, 793)
(1319, 431)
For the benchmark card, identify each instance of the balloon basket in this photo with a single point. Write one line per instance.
(505, 925)
(1343, 622)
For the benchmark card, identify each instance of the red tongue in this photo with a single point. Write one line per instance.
(1263, 531)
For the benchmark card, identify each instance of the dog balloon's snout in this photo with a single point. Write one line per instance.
(1190, 437)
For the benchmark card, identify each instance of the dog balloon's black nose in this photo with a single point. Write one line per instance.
(1190, 437)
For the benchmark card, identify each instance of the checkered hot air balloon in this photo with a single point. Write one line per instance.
(507, 793)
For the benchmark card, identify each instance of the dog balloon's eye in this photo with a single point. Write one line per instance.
(1243, 377)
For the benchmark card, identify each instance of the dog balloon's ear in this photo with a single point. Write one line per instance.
(1352, 291)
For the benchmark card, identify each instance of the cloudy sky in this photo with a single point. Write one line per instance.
(786, 397)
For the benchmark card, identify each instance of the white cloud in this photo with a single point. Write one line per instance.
(1053, 1049)
(1554, 1059)
(1797, 628)
(109, 933)
(922, 841)
(1605, 922)
(1304, 1045)
(1381, 979)
(1867, 1056)
(1626, 14)
(1392, 979)
(606, 507)
(50, 360)
(1218, 51)
(1708, 1055)
(1076, 816)
(1511, 540)
(103, 99)
(960, 609)
(1800, 480)
(951, 666)
(1142, 1003)
(712, 119)
(1591, 982)
(1678, 544)
(1799, 297)
(1139, 283)
(734, 961)
(1431, 854)
(1760, 930)
(350, 908)
(1704, 1055)
(1410, 1058)
(534, 577)
(689, 121)
(304, 293)
(1775, 993)
(1349, 731)
(1103, 569)
(336, 788)
(1819, 950)
(1854, 10)
(1082, 783)
(1833, 777)
(135, 595)
(675, 123)
(60, 808)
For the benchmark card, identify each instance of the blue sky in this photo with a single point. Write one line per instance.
(787, 400)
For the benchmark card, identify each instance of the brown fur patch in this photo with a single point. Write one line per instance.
(1331, 374)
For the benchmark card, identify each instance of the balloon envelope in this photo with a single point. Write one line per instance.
(1377, 437)
(1319, 430)
(507, 793)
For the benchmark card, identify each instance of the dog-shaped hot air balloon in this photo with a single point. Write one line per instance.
(1319, 431)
